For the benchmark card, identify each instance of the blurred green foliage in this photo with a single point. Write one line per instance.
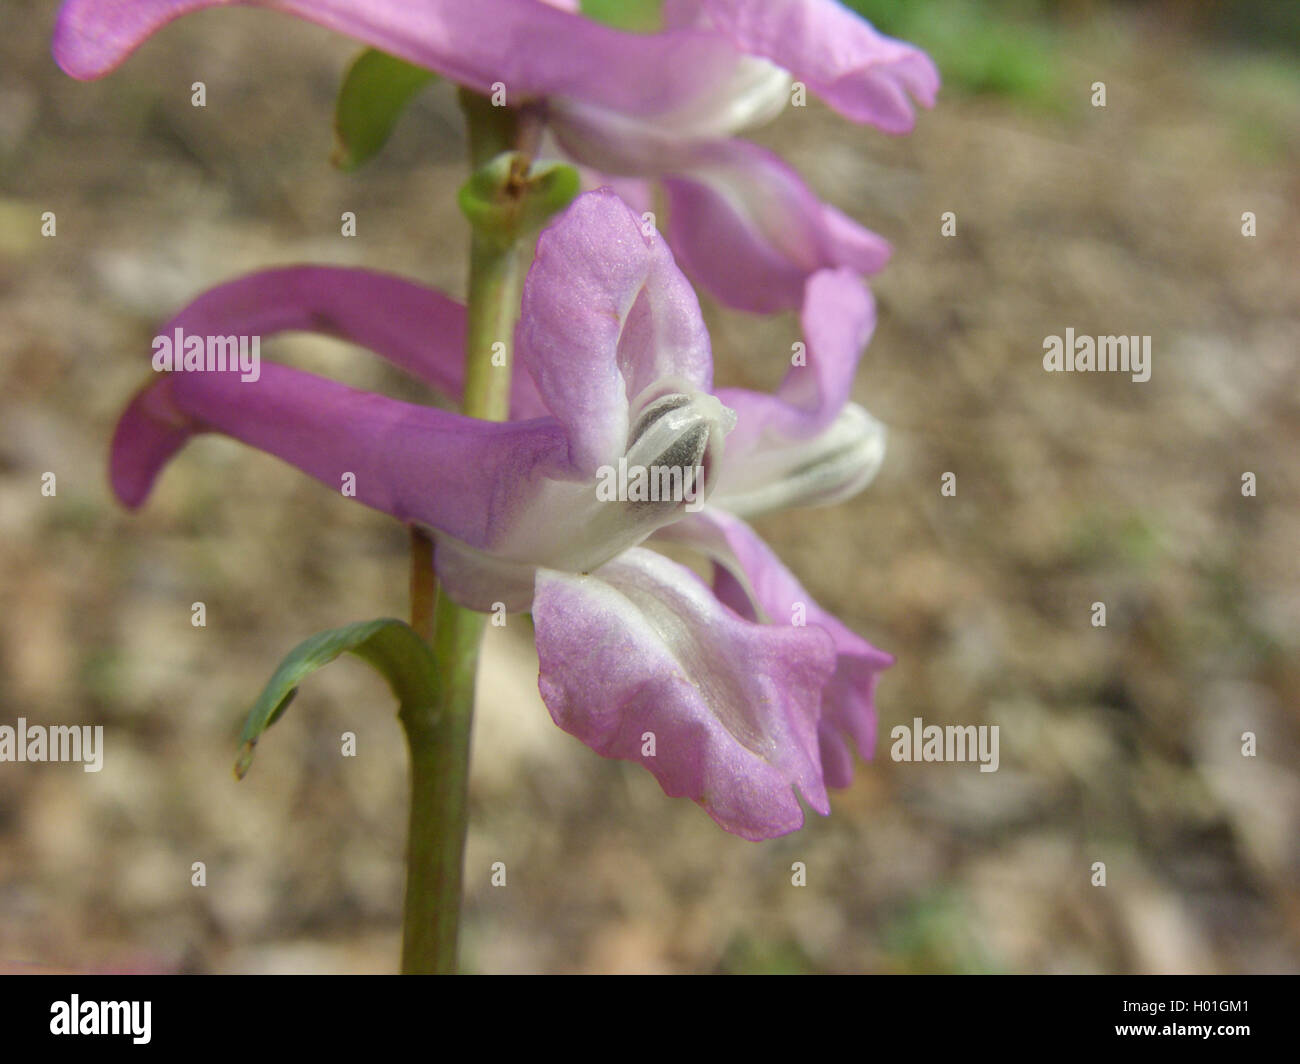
(748, 955)
(1100, 534)
(1258, 96)
(636, 16)
(933, 934)
(1000, 48)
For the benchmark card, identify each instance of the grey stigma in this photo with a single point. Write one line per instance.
(670, 440)
(655, 411)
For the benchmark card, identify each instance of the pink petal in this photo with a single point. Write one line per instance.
(607, 315)
(642, 646)
(745, 226)
(533, 48)
(863, 74)
(470, 479)
(751, 579)
(806, 443)
(416, 328)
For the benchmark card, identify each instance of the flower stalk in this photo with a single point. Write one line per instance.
(439, 736)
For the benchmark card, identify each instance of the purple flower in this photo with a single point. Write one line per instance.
(744, 702)
(742, 222)
(662, 106)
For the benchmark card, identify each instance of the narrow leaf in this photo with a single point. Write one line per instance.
(375, 90)
(390, 645)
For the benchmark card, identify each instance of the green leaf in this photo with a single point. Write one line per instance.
(635, 16)
(390, 645)
(375, 90)
(505, 200)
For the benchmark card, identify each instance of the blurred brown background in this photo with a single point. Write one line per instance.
(1119, 744)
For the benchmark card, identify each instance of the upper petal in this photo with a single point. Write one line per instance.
(612, 140)
(807, 443)
(751, 579)
(748, 229)
(612, 335)
(532, 48)
(642, 646)
(863, 74)
(416, 328)
(470, 479)
(501, 497)
(607, 320)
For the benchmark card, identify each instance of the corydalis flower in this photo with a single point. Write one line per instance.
(663, 105)
(745, 706)
(741, 220)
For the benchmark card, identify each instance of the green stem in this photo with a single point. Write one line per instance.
(439, 737)
(496, 275)
(439, 745)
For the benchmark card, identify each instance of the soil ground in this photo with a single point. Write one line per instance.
(1120, 744)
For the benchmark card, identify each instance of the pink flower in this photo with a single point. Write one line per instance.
(663, 106)
(745, 706)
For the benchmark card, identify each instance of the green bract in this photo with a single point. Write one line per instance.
(374, 92)
(507, 199)
(390, 645)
